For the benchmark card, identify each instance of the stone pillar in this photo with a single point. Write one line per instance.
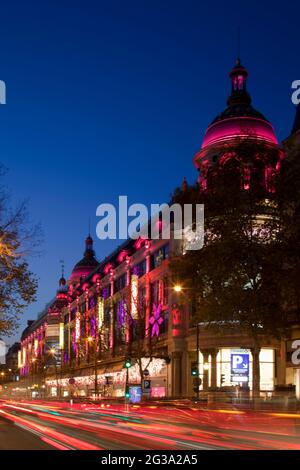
(213, 368)
(186, 374)
(280, 359)
(192, 358)
(205, 353)
(176, 362)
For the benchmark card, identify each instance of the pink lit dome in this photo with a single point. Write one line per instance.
(237, 127)
(87, 264)
(238, 120)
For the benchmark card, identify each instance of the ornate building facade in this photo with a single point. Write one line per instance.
(125, 307)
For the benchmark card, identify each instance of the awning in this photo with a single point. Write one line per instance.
(114, 368)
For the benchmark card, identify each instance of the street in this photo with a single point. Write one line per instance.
(14, 437)
(45, 425)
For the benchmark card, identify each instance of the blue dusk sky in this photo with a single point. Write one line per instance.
(109, 98)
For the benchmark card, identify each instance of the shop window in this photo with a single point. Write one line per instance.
(140, 268)
(160, 255)
(120, 283)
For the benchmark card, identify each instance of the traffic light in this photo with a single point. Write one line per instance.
(127, 363)
(127, 394)
(222, 378)
(194, 369)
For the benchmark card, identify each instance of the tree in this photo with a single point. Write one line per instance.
(143, 334)
(234, 282)
(18, 239)
(289, 197)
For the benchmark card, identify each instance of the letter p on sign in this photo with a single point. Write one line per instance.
(236, 361)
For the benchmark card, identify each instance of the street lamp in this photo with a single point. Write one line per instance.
(92, 340)
(52, 352)
(177, 288)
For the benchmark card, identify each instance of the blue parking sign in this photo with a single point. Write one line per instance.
(239, 364)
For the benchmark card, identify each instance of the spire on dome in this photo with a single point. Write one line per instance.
(89, 250)
(184, 185)
(239, 94)
(87, 263)
(62, 281)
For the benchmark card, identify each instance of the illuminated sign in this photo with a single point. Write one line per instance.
(134, 296)
(24, 356)
(19, 359)
(100, 312)
(135, 393)
(77, 326)
(239, 367)
(61, 335)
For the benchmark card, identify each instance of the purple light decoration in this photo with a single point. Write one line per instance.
(136, 270)
(65, 358)
(105, 293)
(93, 325)
(121, 314)
(92, 302)
(74, 341)
(156, 320)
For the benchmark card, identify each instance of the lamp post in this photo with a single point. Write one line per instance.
(178, 289)
(93, 341)
(33, 360)
(52, 351)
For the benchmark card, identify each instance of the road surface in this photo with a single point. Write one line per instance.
(13, 437)
(40, 425)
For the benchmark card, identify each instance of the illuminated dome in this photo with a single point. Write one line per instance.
(238, 120)
(221, 131)
(87, 264)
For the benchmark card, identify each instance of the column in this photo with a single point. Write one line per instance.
(176, 373)
(205, 353)
(213, 368)
(280, 358)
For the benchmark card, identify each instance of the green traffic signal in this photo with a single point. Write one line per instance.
(127, 363)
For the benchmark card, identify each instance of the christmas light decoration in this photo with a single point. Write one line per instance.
(61, 335)
(77, 327)
(23, 356)
(121, 313)
(35, 347)
(100, 312)
(134, 296)
(156, 368)
(156, 319)
(93, 326)
(19, 359)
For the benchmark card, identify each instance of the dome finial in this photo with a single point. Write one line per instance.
(62, 281)
(184, 185)
(238, 60)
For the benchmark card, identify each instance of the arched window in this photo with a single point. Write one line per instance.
(231, 173)
(258, 176)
